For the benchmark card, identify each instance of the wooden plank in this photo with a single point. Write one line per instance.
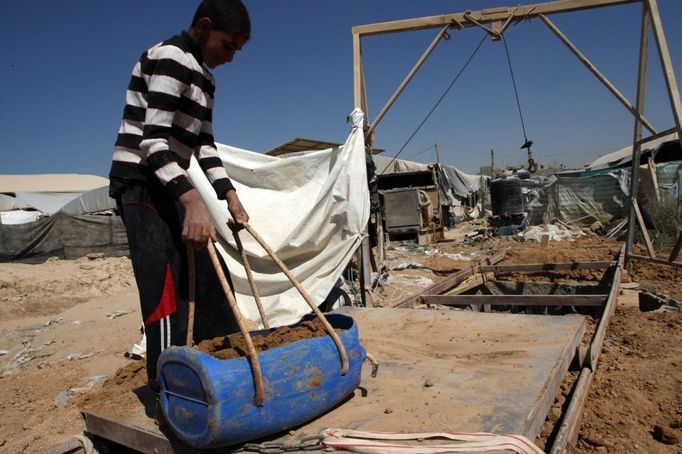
(666, 63)
(357, 72)
(654, 178)
(600, 333)
(598, 74)
(407, 80)
(645, 233)
(570, 423)
(365, 273)
(655, 260)
(450, 282)
(676, 250)
(471, 282)
(515, 300)
(537, 267)
(637, 135)
(484, 16)
(473, 363)
(71, 446)
(139, 438)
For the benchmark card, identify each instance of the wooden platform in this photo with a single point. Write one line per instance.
(451, 371)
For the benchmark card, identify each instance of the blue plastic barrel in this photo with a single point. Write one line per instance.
(208, 402)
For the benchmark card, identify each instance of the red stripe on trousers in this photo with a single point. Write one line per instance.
(167, 304)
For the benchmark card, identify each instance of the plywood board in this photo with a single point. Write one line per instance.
(452, 371)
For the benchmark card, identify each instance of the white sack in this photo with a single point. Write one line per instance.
(311, 209)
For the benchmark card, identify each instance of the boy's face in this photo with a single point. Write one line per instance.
(218, 47)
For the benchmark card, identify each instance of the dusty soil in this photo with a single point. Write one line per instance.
(234, 346)
(66, 325)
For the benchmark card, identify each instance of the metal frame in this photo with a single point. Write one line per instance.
(499, 19)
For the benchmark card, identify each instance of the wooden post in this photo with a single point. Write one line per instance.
(642, 226)
(654, 178)
(593, 69)
(636, 146)
(408, 78)
(666, 63)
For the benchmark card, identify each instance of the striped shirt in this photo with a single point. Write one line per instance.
(167, 119)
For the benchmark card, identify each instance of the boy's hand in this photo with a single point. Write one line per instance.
(239, 215)
(197, 226)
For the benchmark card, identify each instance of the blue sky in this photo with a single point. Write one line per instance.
(66, 65)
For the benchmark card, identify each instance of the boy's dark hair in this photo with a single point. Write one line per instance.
(229, 16)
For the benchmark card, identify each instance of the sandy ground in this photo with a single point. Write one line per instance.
(66, 325)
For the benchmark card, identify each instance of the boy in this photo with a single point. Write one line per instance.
(166, 120)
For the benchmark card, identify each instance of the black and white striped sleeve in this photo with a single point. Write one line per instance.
(168, 75)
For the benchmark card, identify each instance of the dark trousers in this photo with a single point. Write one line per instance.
(153, 221)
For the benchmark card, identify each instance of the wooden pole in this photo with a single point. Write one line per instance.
(642, 226)
(593, 69)
(249, 277)
(407, 79)
(666, 63)
(636, 146)
(192, 282)
(251, 350)
(306, 297)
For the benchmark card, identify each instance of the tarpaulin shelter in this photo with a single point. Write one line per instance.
(311, 208)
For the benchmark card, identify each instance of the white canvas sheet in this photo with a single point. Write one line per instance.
(311, 209)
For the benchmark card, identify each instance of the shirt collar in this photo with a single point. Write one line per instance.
(192, 45)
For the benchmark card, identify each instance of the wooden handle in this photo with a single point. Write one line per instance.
(192, 277)
(249, 277)
(253, 356)
(306, 297)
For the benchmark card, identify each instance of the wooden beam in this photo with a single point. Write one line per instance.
(593, 69)
(570, 423)
(365, 273)
(515, 300)
(450, 282)
(538, 267)
(636, 144)
(357, 72)
(644, 258)
(600, 334)
(676, 250)
(133, 437)
(485, 16)
(645, 233)
(666, 63)
(407, 79)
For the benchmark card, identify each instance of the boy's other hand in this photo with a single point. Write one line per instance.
(197, 227)
(239, 215)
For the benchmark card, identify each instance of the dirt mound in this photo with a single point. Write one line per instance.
(234, 346)
(51, 287)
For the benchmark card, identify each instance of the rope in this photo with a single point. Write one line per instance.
(364, 442)
(437, 102)
(516, 92)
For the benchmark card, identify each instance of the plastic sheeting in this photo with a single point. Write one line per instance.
(13, 217)
(311, 209)
(47, 202)
(94, 201)
(457, 184)
(63, 236)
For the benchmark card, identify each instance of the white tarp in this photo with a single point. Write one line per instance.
(93, 201)
(47, 202)
(311, 209)
(14, 217)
